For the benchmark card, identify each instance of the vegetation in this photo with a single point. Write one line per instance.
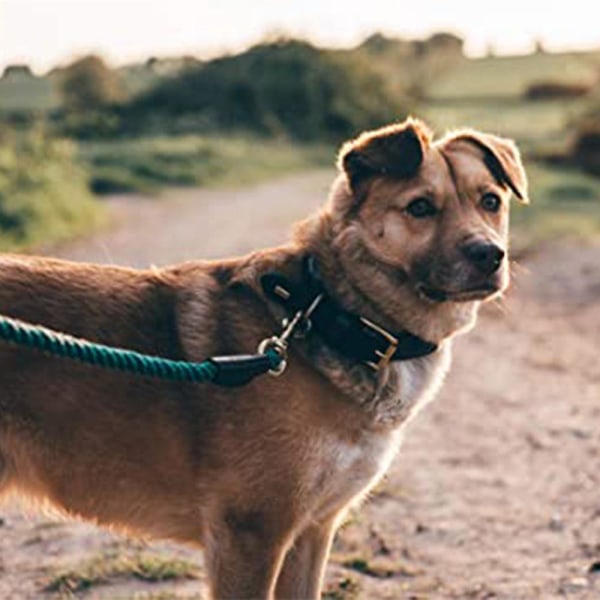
(508, 77)
(585, 151)
(564, 202)
(105, 568)
(251, 115)
(44, 194)
(285, 87)
(548, 90)
(146, 165)
(89, 85)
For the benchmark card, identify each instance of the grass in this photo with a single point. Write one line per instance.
(346, 588)
(107, 568)
(148, 164)
(509, 76)
(537, 126)
(564, 203)
(43, 192)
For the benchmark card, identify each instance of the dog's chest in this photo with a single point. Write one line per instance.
(344, 470)
(347, 467)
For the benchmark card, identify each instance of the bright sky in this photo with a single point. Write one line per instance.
(44, 33)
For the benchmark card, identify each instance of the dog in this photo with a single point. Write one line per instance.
(411, 241)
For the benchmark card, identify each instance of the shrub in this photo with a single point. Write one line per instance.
(89, 85)
(585, 152)
(551, 90)
(43, 192)
(285, 87)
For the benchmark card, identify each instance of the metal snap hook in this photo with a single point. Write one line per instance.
(278, 346)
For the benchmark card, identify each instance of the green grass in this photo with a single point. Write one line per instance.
(147, 165)
(487, 94)
(44, 195)
(106, 568)
(535, 125)
(509, 76)
(564, 203)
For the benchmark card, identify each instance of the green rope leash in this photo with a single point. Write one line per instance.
(109, 357)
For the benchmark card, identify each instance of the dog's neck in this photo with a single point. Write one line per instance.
(364, 286)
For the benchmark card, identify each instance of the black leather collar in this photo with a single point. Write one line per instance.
(349, 334)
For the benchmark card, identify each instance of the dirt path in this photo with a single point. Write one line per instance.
(496, 491)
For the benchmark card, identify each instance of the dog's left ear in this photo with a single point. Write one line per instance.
(395, 151)
(502, 158)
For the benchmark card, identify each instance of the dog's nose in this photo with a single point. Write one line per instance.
(486, 256)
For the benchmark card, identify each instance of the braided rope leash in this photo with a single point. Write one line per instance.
(226, 371)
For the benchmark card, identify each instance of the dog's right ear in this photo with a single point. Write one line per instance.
(393, 151)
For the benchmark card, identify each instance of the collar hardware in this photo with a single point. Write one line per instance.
(355, 337)
(386, 355)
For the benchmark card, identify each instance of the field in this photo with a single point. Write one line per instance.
(509, 77)
(148, 165)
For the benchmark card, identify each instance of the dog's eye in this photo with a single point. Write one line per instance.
(421, 208)
(491, 202)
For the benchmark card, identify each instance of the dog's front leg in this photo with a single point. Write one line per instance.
(302, 574)
(244, 556)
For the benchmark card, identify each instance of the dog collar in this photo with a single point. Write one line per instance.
(349, 334)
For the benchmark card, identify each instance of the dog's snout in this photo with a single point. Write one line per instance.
(486, 256)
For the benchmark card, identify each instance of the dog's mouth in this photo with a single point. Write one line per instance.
(439, 295)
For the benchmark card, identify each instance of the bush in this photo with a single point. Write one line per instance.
(286, 87)
(585, 152)
(43, 192)
(89, 85)
(551, 90)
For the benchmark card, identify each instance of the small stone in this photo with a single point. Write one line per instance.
(594, 568)
(573, 585)
(556, 523)
(420, 528)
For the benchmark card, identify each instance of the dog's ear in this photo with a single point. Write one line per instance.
(396, 150)
(502, 158)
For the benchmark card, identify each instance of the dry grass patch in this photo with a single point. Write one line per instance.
(107, 568)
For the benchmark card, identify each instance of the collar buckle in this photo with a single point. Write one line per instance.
(383, 357)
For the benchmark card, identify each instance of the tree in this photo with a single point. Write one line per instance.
(88, 85)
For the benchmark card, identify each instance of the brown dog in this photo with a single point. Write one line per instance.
(412, 238)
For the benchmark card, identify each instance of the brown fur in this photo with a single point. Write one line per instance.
(261, 475)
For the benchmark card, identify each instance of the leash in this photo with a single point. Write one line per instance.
(352, 335)
(226, 371)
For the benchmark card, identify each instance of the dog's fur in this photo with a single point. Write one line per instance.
(261, 475)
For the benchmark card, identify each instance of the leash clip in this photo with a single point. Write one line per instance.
(280, 343)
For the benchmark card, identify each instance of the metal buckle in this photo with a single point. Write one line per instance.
(386, 356)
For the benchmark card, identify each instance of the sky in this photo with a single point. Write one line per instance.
(45, 33)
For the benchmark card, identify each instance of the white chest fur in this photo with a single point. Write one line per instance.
(345, 471)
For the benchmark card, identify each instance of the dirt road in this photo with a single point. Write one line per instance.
(496, 491)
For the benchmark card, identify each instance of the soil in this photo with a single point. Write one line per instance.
(496, 490)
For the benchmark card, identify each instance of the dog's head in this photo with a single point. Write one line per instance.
(433, 214)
